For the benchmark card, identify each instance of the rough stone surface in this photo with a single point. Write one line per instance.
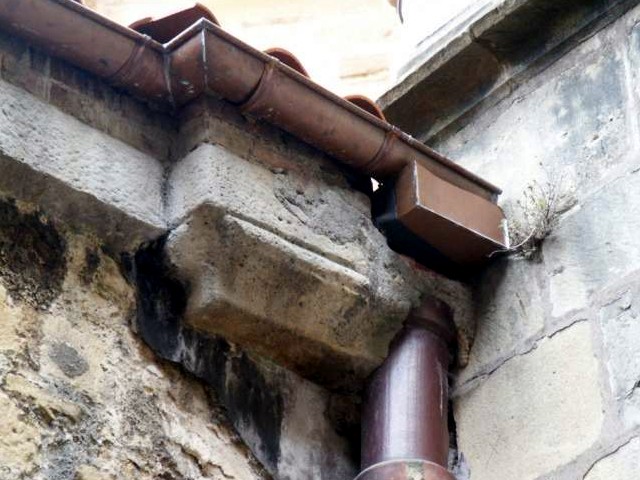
(77, 172)
(538, 411)
(510, 314)
(579, 108)
(621, 333)
(486, 53)
(623, 464)
(82, 397)
(261, 398)
(301, 242)
(551, 388)
(594, 246)
(34, 266)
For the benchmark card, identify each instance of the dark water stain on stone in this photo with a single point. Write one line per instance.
(255, 400)
(249, 396)
(32, 255)
(161, 298)
(68, 360)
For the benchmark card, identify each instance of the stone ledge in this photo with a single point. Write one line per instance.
(78, 173)
(86, 97)
(459, 72)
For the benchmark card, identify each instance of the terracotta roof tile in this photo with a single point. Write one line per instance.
(288, 58)
(166, 28)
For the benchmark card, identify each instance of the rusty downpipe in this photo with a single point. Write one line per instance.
(404, 427)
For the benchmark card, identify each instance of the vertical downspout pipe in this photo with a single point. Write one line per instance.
(405, 433)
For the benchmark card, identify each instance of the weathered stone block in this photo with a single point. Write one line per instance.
(620, 324)
(536, 412)
(572, 123)
(19, 441)
(77, 172)
(300, 241)
(87, 98)
(124, 414)
(510, 314)
(622, 464)
(501, 40)
(595, 245)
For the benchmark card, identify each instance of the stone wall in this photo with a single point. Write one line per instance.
(84, 397)
(551, 389)
(181, 284)
(81, 396)
(82, 189)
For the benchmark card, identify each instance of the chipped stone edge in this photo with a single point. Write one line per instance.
(479, 33)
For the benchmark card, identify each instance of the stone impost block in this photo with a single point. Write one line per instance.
(286, 262)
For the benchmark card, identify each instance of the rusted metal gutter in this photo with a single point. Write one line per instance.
(404, 428)
(204, 59)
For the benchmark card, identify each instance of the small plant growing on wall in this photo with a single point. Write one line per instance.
(537, 213)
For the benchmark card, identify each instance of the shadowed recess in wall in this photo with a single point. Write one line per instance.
(32, 255)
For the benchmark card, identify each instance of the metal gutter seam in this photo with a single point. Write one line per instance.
(334, 125)
(68, 30)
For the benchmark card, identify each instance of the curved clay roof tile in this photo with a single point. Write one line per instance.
(367, 105)
(165, 29)
(288, 58)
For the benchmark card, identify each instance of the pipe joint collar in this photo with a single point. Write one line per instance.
(436, 316)
(405, 470)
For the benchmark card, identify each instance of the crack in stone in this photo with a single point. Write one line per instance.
(632, 391)
(607, 455)
(475, 380)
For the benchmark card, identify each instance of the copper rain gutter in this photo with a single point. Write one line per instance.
(204, 59)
